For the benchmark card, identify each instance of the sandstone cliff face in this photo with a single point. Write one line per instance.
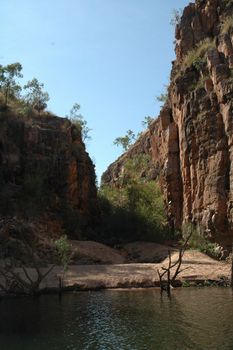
(191, 142)
(45, 171)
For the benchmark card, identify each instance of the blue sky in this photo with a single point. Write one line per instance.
(111, 56)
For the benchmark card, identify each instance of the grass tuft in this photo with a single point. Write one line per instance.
(198, 52)
(227, 25)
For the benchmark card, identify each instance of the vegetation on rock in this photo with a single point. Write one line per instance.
(8, 83)
(63, 249)
(176, 17)
(198, 241)
(227, 25)
(125, 141)
(78, 120)
(196, 56)
(163, 97)
(134, 210)
(36, 97)
(147, 121)
(44, 166)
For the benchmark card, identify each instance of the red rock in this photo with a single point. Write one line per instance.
(46, 158)
(191, 142)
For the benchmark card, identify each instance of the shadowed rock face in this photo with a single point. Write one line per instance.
(44, 169)
(191, 142)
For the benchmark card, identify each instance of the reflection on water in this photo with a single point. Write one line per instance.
(119, 320)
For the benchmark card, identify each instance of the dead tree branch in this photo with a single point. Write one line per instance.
(167, 277)
(16, 278)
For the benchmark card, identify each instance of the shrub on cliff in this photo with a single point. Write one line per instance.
(227, 25)
(147, 122)
(196, 55)
(163, 98)
(175, 17)
(78, 120)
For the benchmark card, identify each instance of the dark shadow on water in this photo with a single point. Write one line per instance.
(133, 320)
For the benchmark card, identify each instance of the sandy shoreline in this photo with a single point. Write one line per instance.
(199, 270)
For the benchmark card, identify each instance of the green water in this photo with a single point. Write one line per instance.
(119, 320)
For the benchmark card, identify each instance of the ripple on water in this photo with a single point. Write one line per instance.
(119, 320)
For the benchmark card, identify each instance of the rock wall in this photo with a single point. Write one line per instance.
(45, 170)
(191, 142)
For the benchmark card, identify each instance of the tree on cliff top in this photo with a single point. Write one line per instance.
(125, 141)
(8, 83)
(78, 120)
(36, 97)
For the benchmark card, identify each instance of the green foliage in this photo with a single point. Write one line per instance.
(78, 120)
(162, 97)
(133, 212)
(145, 199)
(198, 242)
(227, 25)
(63, 249)
(196, 56)
(176, 17)
(8, 82)
(134, 168)
(185, 284)
(199, 63)
(36, 97)
(24, 111)
(147, 122)
(125, 141)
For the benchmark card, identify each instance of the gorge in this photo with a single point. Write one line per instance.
(48, 186)
(125, 263)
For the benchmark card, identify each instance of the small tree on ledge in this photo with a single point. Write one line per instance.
(78, 120)
(125, 141)
(36, 97)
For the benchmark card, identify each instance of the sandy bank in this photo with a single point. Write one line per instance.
(198, 268)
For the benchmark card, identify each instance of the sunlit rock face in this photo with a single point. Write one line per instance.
(45, 170)
(191, 141)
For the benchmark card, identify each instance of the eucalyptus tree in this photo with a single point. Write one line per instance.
(8, 80)
(78, 120)
(125, 141)
(36, 97)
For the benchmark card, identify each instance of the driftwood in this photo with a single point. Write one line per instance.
(168, 276)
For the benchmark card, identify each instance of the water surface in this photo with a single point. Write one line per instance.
(119, 320)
